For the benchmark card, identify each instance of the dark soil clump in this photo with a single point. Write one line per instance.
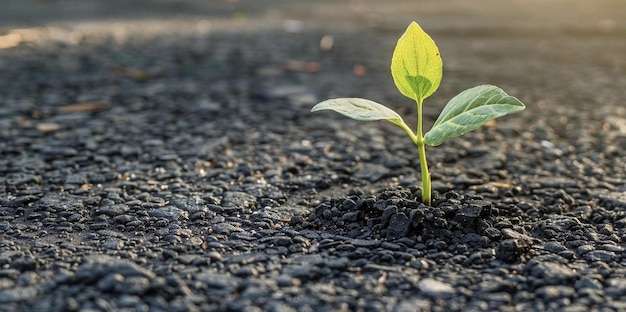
(454, 222)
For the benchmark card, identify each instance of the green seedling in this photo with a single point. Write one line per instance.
(416, 68)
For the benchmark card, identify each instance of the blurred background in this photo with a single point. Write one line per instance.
(529, 16)
(547, 52)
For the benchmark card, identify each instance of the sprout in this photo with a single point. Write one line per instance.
(416, 67)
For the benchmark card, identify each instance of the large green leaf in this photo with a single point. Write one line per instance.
(416, 65)
(360, 109)
(469, 110)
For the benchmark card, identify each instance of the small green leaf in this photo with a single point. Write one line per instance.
(469, 110)
(360, 109)
(416, 65)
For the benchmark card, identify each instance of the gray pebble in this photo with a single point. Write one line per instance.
(77, 178)
(6, 283)
(135, 285)
(238, 199)
(247, 271)
(554, 292)
(225, 228)
(96, 266)
(217, 280)
(557, 182)
(613, 200)
(436, 289)
(113, 244)
(367, 243)
(584, 249)
(18, 294)
(398, 226)
(129, 301)
(169, 212)
(372, 172)
(467, 214)
(190, 205)
(600, 255)
(110, 282)
(554, 247)
(616, 287)
(551, 273)
(589, 283)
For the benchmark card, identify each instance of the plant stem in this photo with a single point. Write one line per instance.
(421, 150)
(418, 139)
(426, 186)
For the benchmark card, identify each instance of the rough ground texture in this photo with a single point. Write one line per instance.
(160, 155)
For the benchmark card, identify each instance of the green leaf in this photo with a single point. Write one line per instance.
(469, 110)
(360, 109)
(416, 65)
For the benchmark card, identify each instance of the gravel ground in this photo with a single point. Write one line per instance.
(161, 156)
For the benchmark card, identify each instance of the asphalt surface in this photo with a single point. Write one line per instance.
(161, 156)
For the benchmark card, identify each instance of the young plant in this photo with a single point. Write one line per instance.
(416, 68)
